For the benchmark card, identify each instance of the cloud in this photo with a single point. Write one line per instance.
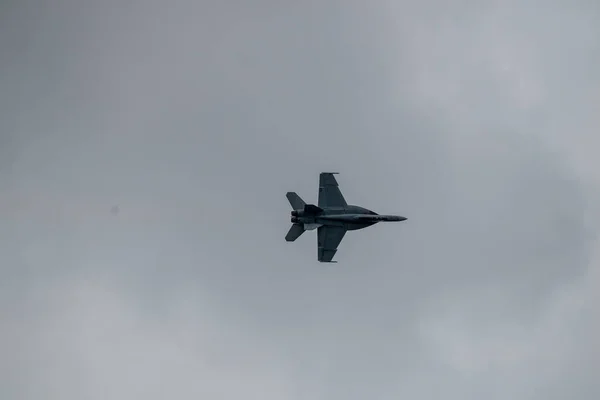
(475, 122)
(89, 341)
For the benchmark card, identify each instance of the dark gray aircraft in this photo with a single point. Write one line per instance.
(332, 217)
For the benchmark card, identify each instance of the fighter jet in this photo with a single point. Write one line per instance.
(332, 217)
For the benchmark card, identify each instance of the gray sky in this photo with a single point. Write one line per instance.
(477, 121)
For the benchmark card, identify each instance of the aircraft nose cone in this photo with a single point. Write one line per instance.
(402, 218)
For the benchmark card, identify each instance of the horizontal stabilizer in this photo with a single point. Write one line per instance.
(295, 201)
(294, 233)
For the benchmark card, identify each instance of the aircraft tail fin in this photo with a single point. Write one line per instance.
(294, 233)
(295, 201)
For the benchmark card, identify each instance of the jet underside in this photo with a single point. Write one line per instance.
(332, 217)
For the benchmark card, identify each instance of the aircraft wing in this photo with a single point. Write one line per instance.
(330, 195)
(329, 238)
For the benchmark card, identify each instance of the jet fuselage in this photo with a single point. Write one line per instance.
(332, 217)
(351, 217)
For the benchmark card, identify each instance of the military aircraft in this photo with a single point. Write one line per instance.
(332, 217)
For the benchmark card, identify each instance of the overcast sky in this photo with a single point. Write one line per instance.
(479, 121)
